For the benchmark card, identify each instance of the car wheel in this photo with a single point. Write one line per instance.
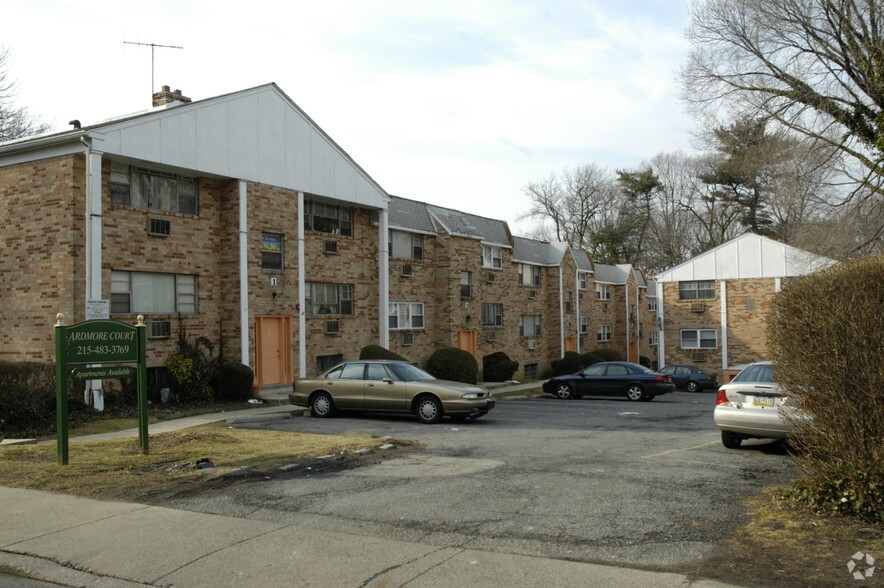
(692, 387)
(428, 410)
(636, 392)
(730, 440)
(322, 405)
(563, 391)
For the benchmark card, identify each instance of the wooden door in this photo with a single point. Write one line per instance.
(273, 350)
(468, 341)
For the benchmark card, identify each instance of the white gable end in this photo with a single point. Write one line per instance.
(258, 135)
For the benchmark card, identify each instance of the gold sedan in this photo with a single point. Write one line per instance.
(389, 386)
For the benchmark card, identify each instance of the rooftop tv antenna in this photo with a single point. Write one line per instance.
(152, 46)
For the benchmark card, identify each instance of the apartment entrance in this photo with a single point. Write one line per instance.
(468, 341)
(273, 350)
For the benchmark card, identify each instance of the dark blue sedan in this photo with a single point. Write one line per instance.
(690, 378)
(611, 378)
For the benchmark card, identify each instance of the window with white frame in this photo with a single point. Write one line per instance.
(529, 275)
(696, 290)
(604, 333)
(699, 339)
(529, 325)
(652, 304)
(492, 256)
(155, 190)
(328, 218)
(466, 285)
(406, 315)
(271, 251)
(404, 245)
(581, 280)
(153, 293)
(584, 325)
(654, 338)
(602, 291)
(492, 315)
(329, 299)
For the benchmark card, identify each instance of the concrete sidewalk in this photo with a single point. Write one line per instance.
(78, 542)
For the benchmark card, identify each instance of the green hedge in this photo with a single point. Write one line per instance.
(235, 382)
(568, 364)
(378, 352)
(27, 399)
(451, 363)
(498, 367)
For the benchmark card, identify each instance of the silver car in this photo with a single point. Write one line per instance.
(389, 386)
(751, 406)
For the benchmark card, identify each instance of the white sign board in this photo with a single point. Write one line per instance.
(97, 309)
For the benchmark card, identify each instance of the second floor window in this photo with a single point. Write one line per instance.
(492, 315)
(152, 293)
(584, 325)
(604, 333)
(581, 280)
(328, 218)
(696, 290)
(405, 245)
(492, 256)
(466, 285)
(652, 304)
(699, 339)
(654, 338)
(155, 190)
(529, 326)
(406, 315)
(602, 292)
(271, 251)
(529, 275)
(329, 299)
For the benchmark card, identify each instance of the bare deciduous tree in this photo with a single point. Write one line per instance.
(15, 122)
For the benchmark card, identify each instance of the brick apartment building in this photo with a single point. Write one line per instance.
(714, 307)
(240, 220)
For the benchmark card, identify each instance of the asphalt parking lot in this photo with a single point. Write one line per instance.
(642, 484)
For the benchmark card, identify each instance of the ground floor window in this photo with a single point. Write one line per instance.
(406, 315)
(699, 339)
(492, 315)
(654, 338)
(327, 362)
(531, 370)
(604, 333)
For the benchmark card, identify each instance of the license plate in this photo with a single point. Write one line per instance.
(763, 401)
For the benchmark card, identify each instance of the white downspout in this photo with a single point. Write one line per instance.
(577, 308)
(94, 390)
(561, 313)
(724, 349)
(302, 293)
(628, 322)
(659, 325)
(384, 278)
(244, 327)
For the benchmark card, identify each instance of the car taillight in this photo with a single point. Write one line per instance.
(661, 378)
(722, 397)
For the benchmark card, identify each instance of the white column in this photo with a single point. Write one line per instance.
(660, 326)
(94, 388)
(561, 313)
(302, 293)
(244, 326)
(384, 278)
(724, 359)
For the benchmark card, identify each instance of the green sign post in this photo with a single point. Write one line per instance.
(99, 342)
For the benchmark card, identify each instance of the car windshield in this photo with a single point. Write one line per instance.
(757, 373)
(409, 373)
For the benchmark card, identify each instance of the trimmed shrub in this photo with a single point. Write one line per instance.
(378, 352)
(568, 364)
(498, 367)
(646, 361)
(451, 363)
(27, 399)
(826, 333)
(236, 381)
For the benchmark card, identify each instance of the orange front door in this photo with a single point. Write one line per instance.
(468, 341)
(273, 350)
(570, 344)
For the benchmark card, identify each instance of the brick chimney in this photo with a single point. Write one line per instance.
(167, 97)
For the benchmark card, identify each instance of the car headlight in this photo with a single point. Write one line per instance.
(473, 395)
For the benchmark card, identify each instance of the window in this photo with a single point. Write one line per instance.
(652, 304)
(329, 299)
(654, 338)
(406, 315)
(699, 339)
(529, 325)
(604, 333)
(466, 285)
(492, 256)
(492, 315)
(602, 292)
(148, 293)
(531, 370)
(584, 325)
(406, 245)
(328, 218)
(144, 188)
(581, 280)
(326, 362)
(696, 290)
(271, 251)
(529, 275)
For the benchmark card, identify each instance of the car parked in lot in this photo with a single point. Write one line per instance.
(611, 378)
(389, 386)
(690, 378)
(751, 406)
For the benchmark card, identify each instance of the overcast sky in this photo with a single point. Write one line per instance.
(456, 103)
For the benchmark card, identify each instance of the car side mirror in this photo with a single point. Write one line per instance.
(388, 380)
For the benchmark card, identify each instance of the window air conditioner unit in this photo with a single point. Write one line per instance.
(532, 344)
(159, 227)
(160, 329)
(406, 271)
(331, 327)
(490, 335)
(698, 307)
(490, 277)
(408, 338)
(330, 247)
(532, 293)
(698, 356)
